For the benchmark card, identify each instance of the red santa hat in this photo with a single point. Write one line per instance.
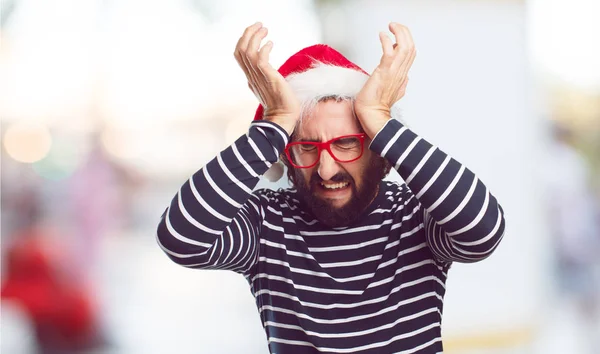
(315, 72)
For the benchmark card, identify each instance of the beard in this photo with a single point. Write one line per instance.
(361, 198)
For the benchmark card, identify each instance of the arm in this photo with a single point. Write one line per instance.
(214, 220)
(462, 219)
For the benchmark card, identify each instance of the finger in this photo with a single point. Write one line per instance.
(267, 72)
(263, 61)
(405, 46)
(252, 51)
(242, 64)
(386, 44)
(242, 48)
(410, 58)
(408, 39)
(406, 65)
(396, 29)
(244, 51)
(274, 79)
(255, 41)
(242, 43)
(265, 51)
(406, 61)
(403, 37)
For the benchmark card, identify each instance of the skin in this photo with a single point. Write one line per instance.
(385, 86)
(333, 119)
(372, 105)
(387, 83)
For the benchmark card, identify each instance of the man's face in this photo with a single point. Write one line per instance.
(320, 185)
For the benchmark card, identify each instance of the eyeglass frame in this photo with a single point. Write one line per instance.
(325, 146)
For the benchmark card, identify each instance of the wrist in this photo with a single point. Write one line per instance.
(373, 120)
(286, 122)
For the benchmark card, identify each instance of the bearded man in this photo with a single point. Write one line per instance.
(343, 262)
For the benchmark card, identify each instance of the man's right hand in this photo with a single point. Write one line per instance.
(280, 104)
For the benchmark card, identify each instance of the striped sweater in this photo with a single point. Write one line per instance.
(376, 286)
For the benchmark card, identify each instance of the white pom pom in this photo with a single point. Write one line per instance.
(275, 172)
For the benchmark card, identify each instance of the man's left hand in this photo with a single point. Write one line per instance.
(388, 82)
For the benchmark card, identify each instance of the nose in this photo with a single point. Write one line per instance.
(327, 167)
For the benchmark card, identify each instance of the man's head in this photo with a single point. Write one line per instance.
(336, 192)
(325, 81)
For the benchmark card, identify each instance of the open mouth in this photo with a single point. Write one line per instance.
(334, 186)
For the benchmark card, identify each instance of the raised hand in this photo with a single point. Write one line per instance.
(388, 82)
(272, 90)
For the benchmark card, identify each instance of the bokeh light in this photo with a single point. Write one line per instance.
(27, 142)
(117, 143)
(64, 157)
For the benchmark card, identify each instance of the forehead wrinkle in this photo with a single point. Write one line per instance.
(334, 124)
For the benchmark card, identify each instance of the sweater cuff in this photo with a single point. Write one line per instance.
(392, 132)
(275, 134)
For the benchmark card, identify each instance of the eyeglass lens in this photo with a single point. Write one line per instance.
(343, 149)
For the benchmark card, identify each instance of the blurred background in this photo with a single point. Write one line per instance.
(107, 107)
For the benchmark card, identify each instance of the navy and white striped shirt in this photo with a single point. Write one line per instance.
(375, 286)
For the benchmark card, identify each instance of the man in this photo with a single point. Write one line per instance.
(344, 262)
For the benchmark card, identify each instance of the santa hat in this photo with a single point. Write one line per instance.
(314, 72)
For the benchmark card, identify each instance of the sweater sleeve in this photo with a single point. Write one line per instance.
(214, 220)
(462, 219)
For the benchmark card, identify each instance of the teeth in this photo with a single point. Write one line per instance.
(335, 185)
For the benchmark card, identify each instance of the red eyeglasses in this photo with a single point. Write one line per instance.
(306, 154)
